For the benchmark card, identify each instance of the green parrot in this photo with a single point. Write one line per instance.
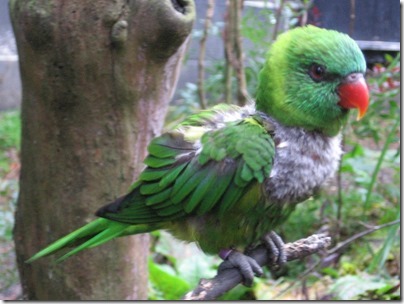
(227, 176)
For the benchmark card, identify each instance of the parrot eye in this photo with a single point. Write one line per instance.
(317, 72)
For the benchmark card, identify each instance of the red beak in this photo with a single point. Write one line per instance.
(354, 94)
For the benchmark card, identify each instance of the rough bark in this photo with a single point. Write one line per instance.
(97, 77)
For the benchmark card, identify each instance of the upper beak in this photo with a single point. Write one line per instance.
(354, 94)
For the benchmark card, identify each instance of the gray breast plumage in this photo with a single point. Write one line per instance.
(304, 161)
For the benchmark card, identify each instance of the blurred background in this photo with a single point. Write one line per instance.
(360, 208)
(374, 24)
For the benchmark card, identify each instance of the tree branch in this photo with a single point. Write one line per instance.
(201, 60)
(227, 43)
(331, 254)
(242, 94)
(210, 289)
(359, 235)
(278, 19)
(234, 55)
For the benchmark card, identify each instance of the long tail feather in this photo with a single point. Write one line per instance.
(93, 234)
(108, 234)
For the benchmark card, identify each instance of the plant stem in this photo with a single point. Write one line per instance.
(340, 200)
(228, 73)
(379, 164)
(334, 250)
(360, 235)
(278, 19)
(234, 53)
(202, 52)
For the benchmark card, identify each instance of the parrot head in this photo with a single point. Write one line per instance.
(312, 77)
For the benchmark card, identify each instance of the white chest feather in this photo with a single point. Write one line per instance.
(303, 162)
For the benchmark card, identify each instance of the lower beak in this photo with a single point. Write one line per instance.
(354, 94)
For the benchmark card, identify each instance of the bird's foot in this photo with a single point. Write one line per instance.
(276, 246)
(246, 265)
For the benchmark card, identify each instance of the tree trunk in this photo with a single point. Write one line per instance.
(97, 77)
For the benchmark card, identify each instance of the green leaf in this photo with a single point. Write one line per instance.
(357, 151)
(388, 57)
(170, 286)
(10, 126)
(332, 272)
(381, 256)
(195, 267)
(235, 294)
(351, 286)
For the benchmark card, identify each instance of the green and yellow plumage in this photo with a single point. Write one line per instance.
(227, 175)
(181, 181)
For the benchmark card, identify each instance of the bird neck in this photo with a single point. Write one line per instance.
(290, 118)
(273, 98)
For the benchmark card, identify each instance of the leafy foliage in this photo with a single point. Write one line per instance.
(176, 267)
(365, 193)
(364, 287)
(9, 169)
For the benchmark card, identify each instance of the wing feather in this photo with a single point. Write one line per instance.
(198, 172)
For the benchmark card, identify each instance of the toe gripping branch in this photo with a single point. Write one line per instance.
(248, 266)
(233, 270)
(277, 256)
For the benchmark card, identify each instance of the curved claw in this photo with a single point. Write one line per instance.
(247, 266)
(276, 246)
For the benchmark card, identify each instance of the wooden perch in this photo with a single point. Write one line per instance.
(210, 289)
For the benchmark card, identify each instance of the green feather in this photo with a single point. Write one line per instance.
(170, 210)
(214, 194)
(155, 162)
(114, 230)
(169, 145)
(150, 188)
(93, 234)
(184, 186)
(246, 173)
(152, 175)
(200, 192)
(230, 197)
(90, 229)
(190, 171)
(158, 197)
(172, 175)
